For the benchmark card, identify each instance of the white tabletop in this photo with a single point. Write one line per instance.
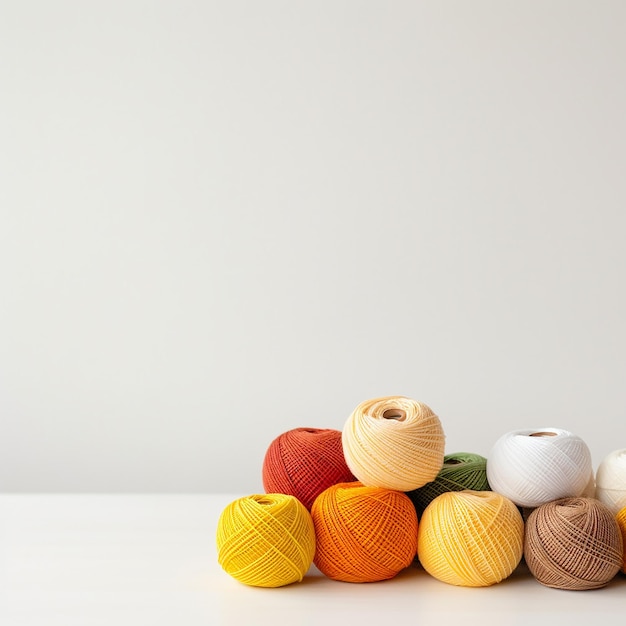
(151, 560)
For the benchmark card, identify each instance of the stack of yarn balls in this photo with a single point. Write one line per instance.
(366, 502)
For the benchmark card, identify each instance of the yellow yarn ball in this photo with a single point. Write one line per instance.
(266, 540)
(393, 442)
(470, 538)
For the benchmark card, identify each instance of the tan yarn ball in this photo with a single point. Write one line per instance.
(621, 522)
(393, 442)
(573, 543)
(470, 538)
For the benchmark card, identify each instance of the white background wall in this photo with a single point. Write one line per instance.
(220, 221)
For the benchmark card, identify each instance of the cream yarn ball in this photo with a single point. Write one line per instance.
(393, 442)
(611, 481)
(532, 467)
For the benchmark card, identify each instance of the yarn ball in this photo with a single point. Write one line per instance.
(393, 442)
(532, 467)
(611, 480)
(266, 540)
(363, 534)
(573, 543)
(303, 462)
(470, 538)
(621, 522)
(461, 470)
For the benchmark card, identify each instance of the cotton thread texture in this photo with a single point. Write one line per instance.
(621, 522)
(266, 540)
(573, 543)
(303, 462)
(460, 471)
(364, 534)
(532, 467)
(393, 442)
(470, 538)
(611, 480)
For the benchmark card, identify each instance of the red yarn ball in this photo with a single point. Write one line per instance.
(303, 462)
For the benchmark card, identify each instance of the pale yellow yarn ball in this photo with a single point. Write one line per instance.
(393, 442)
(470, 538)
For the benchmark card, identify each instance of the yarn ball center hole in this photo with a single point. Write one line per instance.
(542, 433)
(394, 414)
(263, 500)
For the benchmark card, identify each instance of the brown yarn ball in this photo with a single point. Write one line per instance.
(621, 522)
(303, 462)
(573, 543)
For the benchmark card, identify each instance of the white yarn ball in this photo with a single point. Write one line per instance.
(532, 467)
(611, 481)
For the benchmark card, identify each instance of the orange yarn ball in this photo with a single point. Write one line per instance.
(363, 534)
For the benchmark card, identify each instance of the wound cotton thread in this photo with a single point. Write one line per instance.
(266, 540)
(393, 442)
(461, 470)
(611, 480)
(470, 538)
(363, 534)
(621, 522)
(532, 467)
(303, 462)
(573, 543)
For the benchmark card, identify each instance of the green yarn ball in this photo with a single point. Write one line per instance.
(461, 470)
